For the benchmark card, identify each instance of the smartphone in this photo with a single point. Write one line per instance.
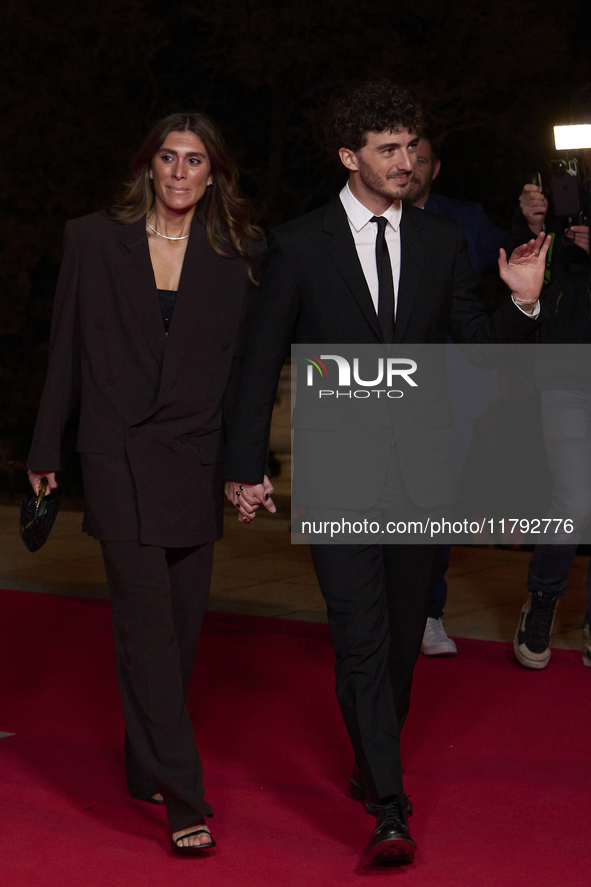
(564, 187)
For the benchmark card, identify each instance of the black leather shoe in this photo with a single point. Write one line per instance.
(390, 840)
(359, 791)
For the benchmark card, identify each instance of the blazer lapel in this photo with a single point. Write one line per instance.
(341, 247)
(137, 279)
(411, 261)
(198, 288)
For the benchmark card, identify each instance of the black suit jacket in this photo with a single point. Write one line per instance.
(152, 407)
(313, 290)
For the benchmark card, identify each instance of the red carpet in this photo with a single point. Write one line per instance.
(497, 761)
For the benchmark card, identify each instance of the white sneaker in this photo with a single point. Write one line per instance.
(586, 646)
(435, 640)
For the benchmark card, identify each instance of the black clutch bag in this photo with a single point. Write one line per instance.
(38, 513)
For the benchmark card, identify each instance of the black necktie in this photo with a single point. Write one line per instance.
(385, 280)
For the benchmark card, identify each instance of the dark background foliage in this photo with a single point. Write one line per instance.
(80, 83)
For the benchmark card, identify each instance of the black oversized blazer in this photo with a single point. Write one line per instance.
(152, 408)
(313, 291)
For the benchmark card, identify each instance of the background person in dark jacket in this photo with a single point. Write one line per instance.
(483, 237)
(470, 387)
(566, 414)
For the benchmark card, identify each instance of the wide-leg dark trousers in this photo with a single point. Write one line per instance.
(158, 599)
(377, 598)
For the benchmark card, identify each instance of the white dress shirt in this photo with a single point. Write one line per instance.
(365, 234)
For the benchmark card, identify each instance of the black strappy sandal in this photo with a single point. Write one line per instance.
(193, 848)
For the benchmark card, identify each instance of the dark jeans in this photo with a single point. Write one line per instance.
(566, 416)
(438, 593)
(548, 571)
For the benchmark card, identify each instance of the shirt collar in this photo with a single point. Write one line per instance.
(359, 215)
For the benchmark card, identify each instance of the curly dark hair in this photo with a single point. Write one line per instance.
(372, 107)
(224, 212)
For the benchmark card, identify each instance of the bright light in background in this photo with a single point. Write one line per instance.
(572, 138)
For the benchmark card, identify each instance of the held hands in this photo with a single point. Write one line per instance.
(524, 271)
(35, 480)
(534, 206)
(248, 498)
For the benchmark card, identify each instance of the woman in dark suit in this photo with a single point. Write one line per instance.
(145, 322)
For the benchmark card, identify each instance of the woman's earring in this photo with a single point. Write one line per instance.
(210, 183)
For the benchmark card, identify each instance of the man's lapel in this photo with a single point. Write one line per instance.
(137, 278)
(411, 260)
(341, 247)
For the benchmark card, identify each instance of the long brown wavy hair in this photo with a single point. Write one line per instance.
(224, 212)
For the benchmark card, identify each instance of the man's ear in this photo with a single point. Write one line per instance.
(436, 169)
(348, 159)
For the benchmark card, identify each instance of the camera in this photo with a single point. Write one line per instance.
(569, 190)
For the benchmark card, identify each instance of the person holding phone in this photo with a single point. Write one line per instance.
(566, 417)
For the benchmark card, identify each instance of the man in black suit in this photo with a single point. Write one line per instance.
(363, 269)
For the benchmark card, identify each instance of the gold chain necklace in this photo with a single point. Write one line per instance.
(166, 237)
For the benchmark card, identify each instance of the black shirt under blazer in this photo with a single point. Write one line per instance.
(313, 291)
(152, 407)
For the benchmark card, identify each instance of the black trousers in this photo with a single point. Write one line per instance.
(158, 599)
(377, 598)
